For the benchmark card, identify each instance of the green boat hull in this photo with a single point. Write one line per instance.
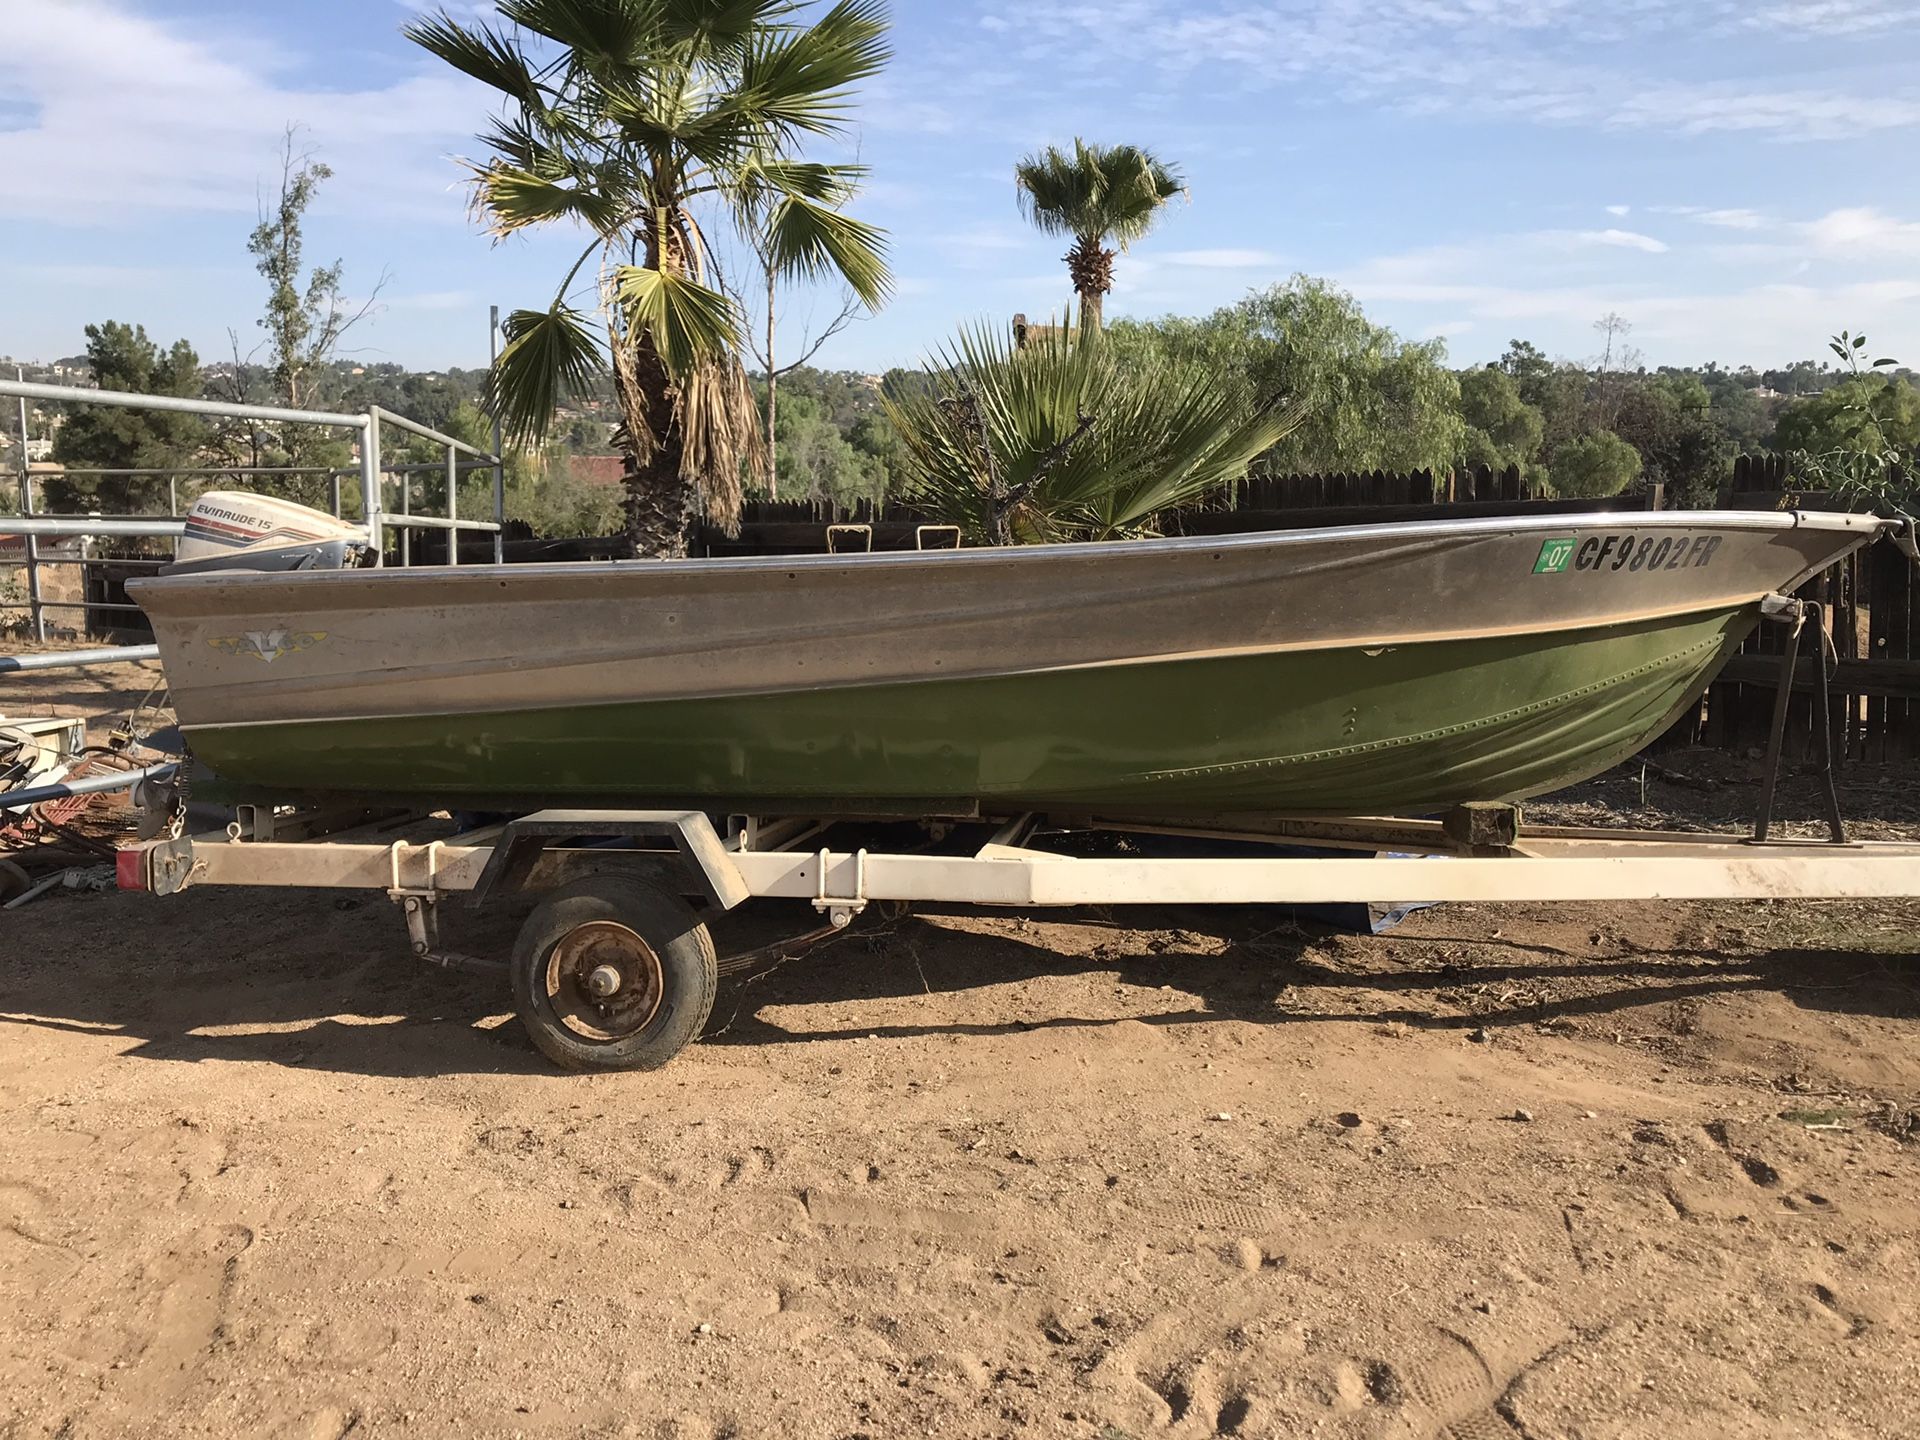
(1408, 728)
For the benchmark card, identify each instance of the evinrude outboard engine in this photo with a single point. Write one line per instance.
(230, 530)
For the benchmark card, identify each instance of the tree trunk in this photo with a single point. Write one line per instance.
(1090, 266)
(660, 506)
(773, 386)
(662, 509)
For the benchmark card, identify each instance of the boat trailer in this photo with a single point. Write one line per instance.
(615, 967)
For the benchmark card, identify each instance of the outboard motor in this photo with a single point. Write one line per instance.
(232, 530)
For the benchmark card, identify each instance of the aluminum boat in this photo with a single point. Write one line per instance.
(1365, 669)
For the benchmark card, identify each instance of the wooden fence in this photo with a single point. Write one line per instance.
(1291, 502)
(1873, 624)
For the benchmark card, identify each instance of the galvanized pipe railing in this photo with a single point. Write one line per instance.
(453, 523)
(370, 469)
(138, 526)
(85, 785)
(181, 404)
(65, 659)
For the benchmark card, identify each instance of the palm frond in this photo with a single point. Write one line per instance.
(647, 116)
(608, 30)
(513, 199)
(810, 180)
(688, 324)
(722, 445)
(548, 354)
(719, 29)
(1112, 193)
(488, 57)
(794, 81)
(1052, 192)
(520, 142)
(815, 242)
(1064, 440)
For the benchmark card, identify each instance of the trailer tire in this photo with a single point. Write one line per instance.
(611, 973)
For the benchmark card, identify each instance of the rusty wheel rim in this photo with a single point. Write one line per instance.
(603, 981)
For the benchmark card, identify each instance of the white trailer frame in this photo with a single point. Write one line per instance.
(776, 860)
(604, 977)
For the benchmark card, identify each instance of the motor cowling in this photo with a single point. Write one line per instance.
(233, 530)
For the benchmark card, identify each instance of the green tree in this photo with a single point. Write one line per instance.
(1502, 429)
(1668, 419)
(541, 490)
(96, 437)
(1371, 400)
(1860, 439)
(1862, 414)
(817, 459)
(306, 314)
(1101, 196)
(882, 452)
(1529, 368)
(1066, 438)
(1738, 413)
(1590, 467)
(657, 124)
(557, 502)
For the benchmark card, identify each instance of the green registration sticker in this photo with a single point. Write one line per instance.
(1554, 556)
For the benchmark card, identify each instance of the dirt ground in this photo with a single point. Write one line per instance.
(1531, 1171)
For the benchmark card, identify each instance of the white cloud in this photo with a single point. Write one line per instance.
(1733, 219)
(1551, 62)
(125, 114)
(1619, 212)
(1623, 239)
(1863, 230)
(1834, 17)
(1749, 302)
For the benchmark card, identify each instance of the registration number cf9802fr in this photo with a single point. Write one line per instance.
(1628, 552)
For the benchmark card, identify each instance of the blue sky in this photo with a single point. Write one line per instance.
(1735, 177)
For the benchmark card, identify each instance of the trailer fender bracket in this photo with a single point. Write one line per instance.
(701, 853)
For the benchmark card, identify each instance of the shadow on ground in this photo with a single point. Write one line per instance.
(310, 979)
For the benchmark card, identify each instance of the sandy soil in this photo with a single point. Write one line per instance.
(1509, 1171)
(103, 693)
(1535, 1172)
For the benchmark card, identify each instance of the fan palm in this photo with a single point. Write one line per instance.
(1099, 195)
(646, 122)
(1061, 439)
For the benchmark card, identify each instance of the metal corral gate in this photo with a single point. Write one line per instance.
(34, 524)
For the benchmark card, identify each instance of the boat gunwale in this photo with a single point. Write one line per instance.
(1783, 521)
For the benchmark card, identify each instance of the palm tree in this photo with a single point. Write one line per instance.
(1065, 439)
(1098, 195)
(655, 124)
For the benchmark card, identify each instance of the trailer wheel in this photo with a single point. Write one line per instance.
(610, 973)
